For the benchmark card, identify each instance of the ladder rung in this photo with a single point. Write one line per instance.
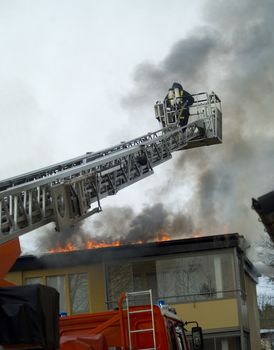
(140, 311)
(138, 293)
(142, 330)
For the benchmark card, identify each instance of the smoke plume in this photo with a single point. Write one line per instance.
(121, 224)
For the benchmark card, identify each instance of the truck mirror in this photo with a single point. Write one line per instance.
(197, 338)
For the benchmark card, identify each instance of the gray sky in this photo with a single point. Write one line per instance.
(78, 76)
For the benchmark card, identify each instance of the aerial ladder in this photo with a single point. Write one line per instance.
(70, 191)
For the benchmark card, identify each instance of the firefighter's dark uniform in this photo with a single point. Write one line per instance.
(183, 98)
(177, 102)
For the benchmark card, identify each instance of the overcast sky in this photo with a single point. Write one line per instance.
(78, 76)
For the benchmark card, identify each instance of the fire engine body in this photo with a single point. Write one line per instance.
(65, 193)
(137, 327)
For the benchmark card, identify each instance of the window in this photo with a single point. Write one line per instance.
(78, 291)
(58, 282)
(176, 280)
(144, 276)
(195, 277)
(209, 344)
(221, 343)
(231, 343)
(228, 269)
(119, 279)
(73, 290)
(136, 276)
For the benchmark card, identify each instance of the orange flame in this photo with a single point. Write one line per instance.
(162, 237)
(94, 245)
(91, 244)
(69, 247)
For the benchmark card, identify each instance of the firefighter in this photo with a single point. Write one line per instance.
(183, 99)
(179, 100)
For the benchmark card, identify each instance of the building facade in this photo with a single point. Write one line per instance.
(206, 279)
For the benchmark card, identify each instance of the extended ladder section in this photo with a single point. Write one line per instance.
(145, 312)
(70, 191)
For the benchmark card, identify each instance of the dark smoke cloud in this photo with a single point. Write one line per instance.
(154, 221)
(122, 224)
(193, 52)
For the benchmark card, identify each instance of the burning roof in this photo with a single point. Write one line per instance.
(127, 251)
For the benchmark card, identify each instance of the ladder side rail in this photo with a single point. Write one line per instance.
(65, 174)
(153, 320)
(36, 174)
(128, 323)
(77, 161)
(48, 171)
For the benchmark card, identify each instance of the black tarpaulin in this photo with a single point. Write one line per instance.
(29, 315)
